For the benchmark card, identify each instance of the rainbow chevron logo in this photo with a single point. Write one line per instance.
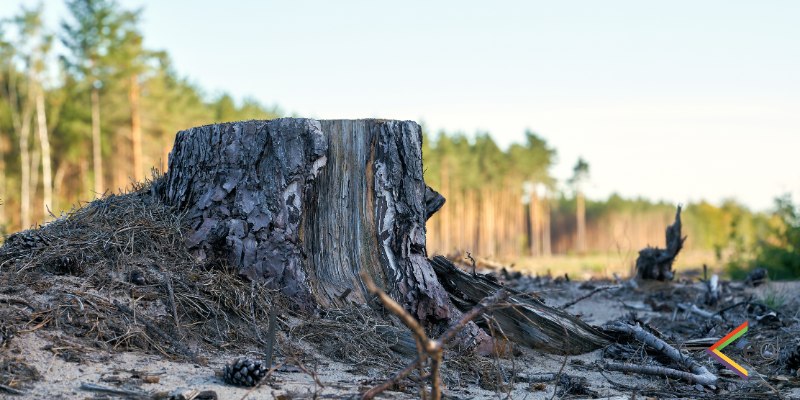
(714, 351)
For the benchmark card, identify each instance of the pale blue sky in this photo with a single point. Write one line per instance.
(678, 100)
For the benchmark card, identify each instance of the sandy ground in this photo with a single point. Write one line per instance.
(125, 370)
(63, 379)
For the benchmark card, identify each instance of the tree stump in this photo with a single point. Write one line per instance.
(304, 205)
(655, 263)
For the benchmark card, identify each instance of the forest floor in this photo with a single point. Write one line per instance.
(63, 365)
(107, 296)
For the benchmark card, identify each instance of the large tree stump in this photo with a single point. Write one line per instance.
(304, 205)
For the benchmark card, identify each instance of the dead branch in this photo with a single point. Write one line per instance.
(586, 296)
(699, 373)
(430, 348)
(705, 314)
(172, 300)
(426, 347)
(120, 392)
(529, 322)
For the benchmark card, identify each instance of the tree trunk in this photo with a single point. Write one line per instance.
(34, 174)
(304, 205)
(96, 149)
(3, 198)
(581, 214)
(533, 221)
(25, 184)
(546, 249)
(47, 180)
(136, 129)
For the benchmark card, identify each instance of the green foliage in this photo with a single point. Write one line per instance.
(580, 173)
(773, 297)
(103, 51)
(481, 164)
(778, 250)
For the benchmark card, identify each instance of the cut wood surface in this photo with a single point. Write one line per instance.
(530, 322)
(304, 205)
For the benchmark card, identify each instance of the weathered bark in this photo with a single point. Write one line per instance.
(433, 202)
(304, 205)
(655, 263)
(530, 322)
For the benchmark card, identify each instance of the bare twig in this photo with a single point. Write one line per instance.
(699, 373)
(303, 368)
(172, 300)
(431, 348)
(705, 314)
(600, 289)
(11, 390)
(273, 315)
(473, 264)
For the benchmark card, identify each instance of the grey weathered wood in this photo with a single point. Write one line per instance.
(530, 322)
(304, 205)
(655, 263)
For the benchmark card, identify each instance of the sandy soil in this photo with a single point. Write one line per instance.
(126, 370)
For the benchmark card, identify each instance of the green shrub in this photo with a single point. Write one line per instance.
(779, 252)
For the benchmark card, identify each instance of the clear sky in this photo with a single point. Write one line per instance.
(673, 100)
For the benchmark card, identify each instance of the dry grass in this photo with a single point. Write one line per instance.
(125, 248)
(69, 275)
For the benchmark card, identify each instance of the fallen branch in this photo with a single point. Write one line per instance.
(120, 392)
(11, 390)
(699, 373)
(586, 296)
(529, 321)
(429, 348)
(705, 314)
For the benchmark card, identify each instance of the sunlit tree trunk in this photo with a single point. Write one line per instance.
(35, 156)
(25, 167)
(3, 197)
(47, 180)
(96, 149)
(546, 249)
(533, 220)
(581, 215)
(58, 181)
(83, 173)
(444, 214)
(136, 129)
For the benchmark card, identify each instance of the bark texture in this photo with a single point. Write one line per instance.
(304, 205)
(529, 322)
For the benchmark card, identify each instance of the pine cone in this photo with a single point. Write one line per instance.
(244, 372)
